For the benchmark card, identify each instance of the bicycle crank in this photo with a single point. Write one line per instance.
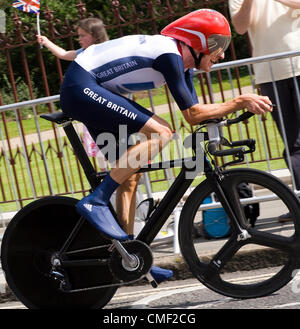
(130, 260)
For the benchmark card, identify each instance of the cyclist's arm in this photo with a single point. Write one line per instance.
(68, 55)
(200, 112)
(179, 82)
(189, 75)
(171, 66)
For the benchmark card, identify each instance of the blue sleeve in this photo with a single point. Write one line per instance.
(189, 75)
(78, 51)
(179, 82)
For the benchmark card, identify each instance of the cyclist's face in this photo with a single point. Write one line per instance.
(208, 61)
(85, 39)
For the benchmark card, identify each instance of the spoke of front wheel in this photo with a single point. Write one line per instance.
(225, 254)
(271, 240)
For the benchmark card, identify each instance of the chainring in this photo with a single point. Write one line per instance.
(139, 250)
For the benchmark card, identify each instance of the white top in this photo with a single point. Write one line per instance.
(129, 59)
(274, 29)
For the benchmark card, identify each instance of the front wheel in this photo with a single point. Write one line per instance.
(269, 243)
(33, 236)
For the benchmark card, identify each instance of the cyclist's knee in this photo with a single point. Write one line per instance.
(163, 131)
(162, 137)
(167, 133)
(157, 128)
(164, 127)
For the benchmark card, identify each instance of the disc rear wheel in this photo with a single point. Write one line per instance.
(30, 243)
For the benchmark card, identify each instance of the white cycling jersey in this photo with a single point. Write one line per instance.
(125, 65)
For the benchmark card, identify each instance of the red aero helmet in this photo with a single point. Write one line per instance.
(205, 30)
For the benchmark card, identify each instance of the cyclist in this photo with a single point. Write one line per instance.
(96, 82)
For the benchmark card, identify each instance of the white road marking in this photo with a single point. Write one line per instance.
(152, 291)
(144, 302)
(286, 305)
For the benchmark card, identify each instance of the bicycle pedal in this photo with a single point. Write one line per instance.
(151, 280)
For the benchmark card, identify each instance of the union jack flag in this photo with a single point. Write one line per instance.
(28, 6)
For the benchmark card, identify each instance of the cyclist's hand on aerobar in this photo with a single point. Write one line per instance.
(257, 104)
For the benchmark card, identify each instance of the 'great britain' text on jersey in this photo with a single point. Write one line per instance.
(116, 69)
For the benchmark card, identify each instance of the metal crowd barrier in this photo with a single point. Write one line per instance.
(269, 58)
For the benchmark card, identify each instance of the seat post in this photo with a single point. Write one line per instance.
(80, 152)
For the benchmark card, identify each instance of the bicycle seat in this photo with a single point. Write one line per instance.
(57, 117)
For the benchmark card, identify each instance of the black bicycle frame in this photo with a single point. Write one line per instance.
(169, 202)
(159, 216)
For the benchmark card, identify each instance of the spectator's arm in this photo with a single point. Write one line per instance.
(295, 4)
(68, 55)
(243, 18)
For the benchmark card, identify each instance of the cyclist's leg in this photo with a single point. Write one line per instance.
(94, 207)
(125, 167)
(110, 111)
(126, 202)
(125, 207)
(126, 192)
(156, 134)
(125, 199)
(128, 185)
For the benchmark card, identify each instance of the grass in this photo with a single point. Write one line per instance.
(29, 126)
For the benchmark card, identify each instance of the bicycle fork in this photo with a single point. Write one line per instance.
(215, 178)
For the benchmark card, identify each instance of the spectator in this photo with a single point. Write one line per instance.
(90, 31)
(273, 28)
